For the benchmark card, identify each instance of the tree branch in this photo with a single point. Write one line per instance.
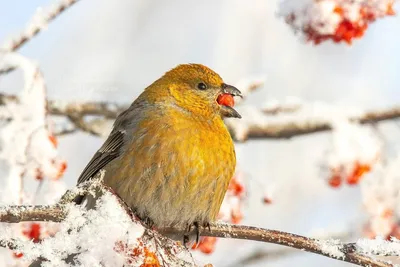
(38, 22)
(16, 214)
(262, 254)
(335, 250)
(286, 130)
(76, 113)
(35, 27)
(345, 252)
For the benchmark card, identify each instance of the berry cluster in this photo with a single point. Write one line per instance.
(336, 20)
(57, 167)
(355, 150)
(137, 253)
(351, 177)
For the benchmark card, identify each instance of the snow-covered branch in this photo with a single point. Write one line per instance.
(242, 130)
(307, 120)
(37, 23)
(41, 213)
(332, 249)
(351, 252)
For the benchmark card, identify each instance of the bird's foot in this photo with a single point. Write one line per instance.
(186, 236)
(197, 229)
(196, 225)
(207, 225)
(149, 222)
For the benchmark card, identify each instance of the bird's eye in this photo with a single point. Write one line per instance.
(202, 86)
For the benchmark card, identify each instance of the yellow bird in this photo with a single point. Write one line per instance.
(170, 156)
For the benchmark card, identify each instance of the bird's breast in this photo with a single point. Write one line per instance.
(176, 170)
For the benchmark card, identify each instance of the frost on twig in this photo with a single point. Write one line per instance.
(38, 23)
(332, 249)
(81, 230)
(298, 120)
(379, 246)
(132, 243)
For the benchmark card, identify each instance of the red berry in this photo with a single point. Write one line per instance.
(33, 233)
(267, 200)
(53, 140)
(61, 169)
(18, 255)
(358, 171)
(236, 216)
(226, 100)
(38, 174)
(207, 245)
(335, 181)
(235, 187)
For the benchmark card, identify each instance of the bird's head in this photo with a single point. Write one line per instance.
(199, 90)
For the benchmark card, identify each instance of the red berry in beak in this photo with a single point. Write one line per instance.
(226, 100)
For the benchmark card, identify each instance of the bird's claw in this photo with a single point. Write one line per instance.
(189, 229)
(185, 239)
(149, 222)
(196, 225)
(207, 225)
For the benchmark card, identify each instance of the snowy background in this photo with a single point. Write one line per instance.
(111, 50)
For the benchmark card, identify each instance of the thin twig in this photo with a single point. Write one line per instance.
(259, 255)
(16, 214)
(346, 252)
(34, 28)
(280, 109)
(286, 130)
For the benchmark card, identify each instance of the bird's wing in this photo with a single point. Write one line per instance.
(110, 150)
(113, 146)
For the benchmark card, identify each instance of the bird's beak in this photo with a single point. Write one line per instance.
(228, 111)
(232, 90)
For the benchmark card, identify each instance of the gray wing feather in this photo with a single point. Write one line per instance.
(110, 150)
(113, 146)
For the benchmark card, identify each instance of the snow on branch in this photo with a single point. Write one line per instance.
(80, 228)
(16, 214)
(309, 119)
(268, 122)
(131, 244)
(379, 247)
(37, 23)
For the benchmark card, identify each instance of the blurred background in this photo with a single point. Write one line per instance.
(111, 50)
